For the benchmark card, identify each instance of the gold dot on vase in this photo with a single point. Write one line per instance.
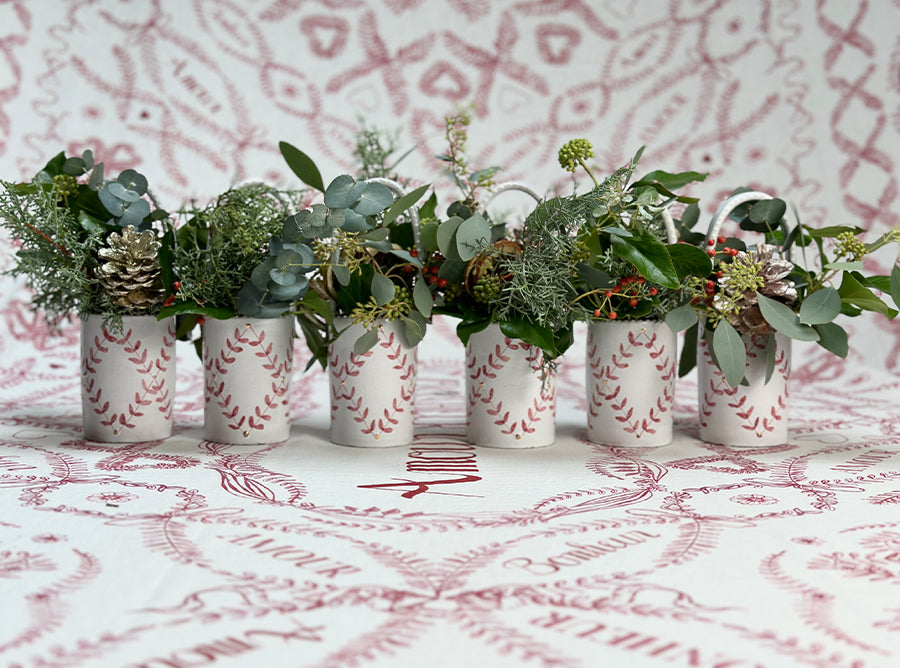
(518, 436)
(377, 436)
(116, 432)
(246, 434)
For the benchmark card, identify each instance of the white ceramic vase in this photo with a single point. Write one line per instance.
(247, 365)
(747, 415)
(510, 395)
(372, 394)
(630, 383)
(127, 379)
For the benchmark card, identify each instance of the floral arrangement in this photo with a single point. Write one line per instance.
(98, 235)
(366, 251)
(780, 285)
(627, 264)
(239, 255)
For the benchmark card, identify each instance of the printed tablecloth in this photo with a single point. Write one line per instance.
(190, 553)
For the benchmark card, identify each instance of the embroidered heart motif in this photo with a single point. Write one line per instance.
(444, 80)
(556, 42)
(512, 99)
(327, 35)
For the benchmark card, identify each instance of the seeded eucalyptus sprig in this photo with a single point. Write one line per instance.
(367, 251)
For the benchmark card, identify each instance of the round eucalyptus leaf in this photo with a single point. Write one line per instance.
(343, 192)
(249, 300)
(133, 181)
(122, 192)
(305, 260)
(334, 219)
(112, 203)
(74, 167)
(88, 157)
(446, 238)
(472, 236)
(273, 310)
(283, 276)
(135, 213)
(374, 199)
(353, 222)
(259, 277)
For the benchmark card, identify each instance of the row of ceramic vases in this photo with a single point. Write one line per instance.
(128, 381)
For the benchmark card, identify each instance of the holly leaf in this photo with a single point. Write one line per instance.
(649, 255)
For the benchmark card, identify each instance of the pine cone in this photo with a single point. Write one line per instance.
(131, 273)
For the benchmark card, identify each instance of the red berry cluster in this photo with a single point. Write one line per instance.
(176, 286)
(721, 240)
(431, 275)
(628, 288)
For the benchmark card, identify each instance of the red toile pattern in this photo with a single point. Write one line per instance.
(151, 366)
(486, 376)
(355, 391)
(752, 415)
(608, 375)
(220, 387)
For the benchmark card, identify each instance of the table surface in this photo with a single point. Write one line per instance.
(190, 553)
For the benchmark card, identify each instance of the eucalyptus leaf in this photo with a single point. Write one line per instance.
(112, 203)
(282, 276)
(820, 307)
(402, 204)
(730, 352)
(846, 266)
(422, 297)
(472, 236)
(383, 288)
(446, 235)
(344, 191)
(341, 273)
(352, 221)
(375, 198)
(414, 328)
(133, 180)
(833, 338)
(74, 167)
(771, 349)
(366, 342)
(123, 193)
(681, 318)
(428, 237)
(895, 285)
(302, 165)
(135, 213)
(96, 179)
(784, 320)
(260, 274)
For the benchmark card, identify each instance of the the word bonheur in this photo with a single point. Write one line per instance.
(579, 553)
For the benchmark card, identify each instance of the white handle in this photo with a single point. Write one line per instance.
(397, 189)
(729, 205)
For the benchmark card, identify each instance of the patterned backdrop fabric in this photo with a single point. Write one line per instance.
(187, 553)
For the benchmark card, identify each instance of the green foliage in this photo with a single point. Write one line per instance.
(62, 218)
(221, 245)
